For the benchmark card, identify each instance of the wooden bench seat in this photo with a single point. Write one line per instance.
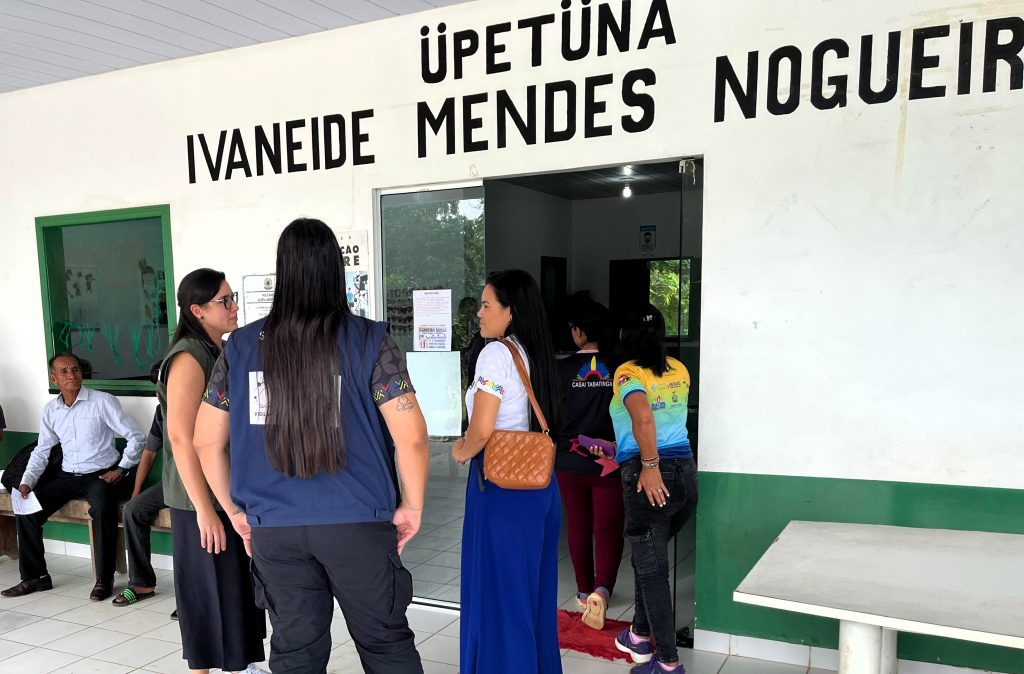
(75, 511)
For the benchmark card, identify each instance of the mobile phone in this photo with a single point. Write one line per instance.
(607, 448)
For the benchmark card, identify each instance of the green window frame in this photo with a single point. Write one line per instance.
(46, 224)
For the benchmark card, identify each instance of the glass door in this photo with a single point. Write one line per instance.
(433, 274)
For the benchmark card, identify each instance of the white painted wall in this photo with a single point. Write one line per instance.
(861, 265)
(523, 225)
(609, 229)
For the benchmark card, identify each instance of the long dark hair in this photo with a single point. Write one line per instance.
(198, 287)
(593, 319)
(643, 339)
(300, 352)
(517, 290)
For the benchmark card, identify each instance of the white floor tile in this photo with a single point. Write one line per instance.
(430, 620)
(452, 630)
(435, 574)
(90, 641)
(169, 632)
(90, 666)
(738, 665)
(169, 664)
(139, 652)
(135, 622)
(12, 620)
(440, 648)
(94, 613)
(8, 649)
(701, 662)
(156, 604)
(440, 668)
(38, 660)
(43, 632)
(48, 605)
(574, 665)
(339, 632)
(344, 660)
(12, 603)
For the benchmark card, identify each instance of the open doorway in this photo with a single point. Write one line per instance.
(625, 236)
(574, 232)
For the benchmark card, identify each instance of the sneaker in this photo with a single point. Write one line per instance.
(254, 669)
(654, 667)
(640, 650)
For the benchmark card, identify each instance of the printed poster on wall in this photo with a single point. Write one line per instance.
(432, 320)
(257, 296)
(357, 271)
(648, 240)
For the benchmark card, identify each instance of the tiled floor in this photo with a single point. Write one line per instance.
(62, 631)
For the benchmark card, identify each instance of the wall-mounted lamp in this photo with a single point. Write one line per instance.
(627, 191)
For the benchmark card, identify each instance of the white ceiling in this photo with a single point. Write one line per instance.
(44, 41)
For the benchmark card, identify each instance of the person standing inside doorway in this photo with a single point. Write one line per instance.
(659, 481)
(311, 398)
(587, 479)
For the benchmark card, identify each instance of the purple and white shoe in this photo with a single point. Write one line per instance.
(655, 667)
(640, 650)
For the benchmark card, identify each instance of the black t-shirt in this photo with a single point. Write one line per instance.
(586, 383)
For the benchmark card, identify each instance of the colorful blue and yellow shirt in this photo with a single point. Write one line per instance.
(667, 396)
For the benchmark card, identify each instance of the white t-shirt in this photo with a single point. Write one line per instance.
(496, 374)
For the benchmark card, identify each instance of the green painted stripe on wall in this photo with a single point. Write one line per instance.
(79, 533)
(739, 516)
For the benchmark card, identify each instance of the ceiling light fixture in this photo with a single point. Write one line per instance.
(627, 191)
(627, 170)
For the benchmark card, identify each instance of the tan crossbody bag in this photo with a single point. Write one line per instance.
(521, 459)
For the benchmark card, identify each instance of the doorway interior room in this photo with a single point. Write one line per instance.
(622, 235)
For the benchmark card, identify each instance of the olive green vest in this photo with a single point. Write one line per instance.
(175, 495)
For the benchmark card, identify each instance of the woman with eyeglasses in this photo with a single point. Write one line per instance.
(221, 627)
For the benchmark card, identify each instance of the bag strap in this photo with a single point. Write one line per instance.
(526, 382)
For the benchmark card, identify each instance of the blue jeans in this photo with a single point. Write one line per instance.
(649, 530)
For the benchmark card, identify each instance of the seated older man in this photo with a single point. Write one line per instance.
(83, 421)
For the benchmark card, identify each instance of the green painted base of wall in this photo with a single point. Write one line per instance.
(740, 515)
(79, 533)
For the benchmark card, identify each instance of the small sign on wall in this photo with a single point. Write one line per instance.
(257, 295)
(648, 240)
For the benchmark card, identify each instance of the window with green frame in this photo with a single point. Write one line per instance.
(108, 288)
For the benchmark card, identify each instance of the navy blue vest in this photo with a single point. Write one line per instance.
(365, 491)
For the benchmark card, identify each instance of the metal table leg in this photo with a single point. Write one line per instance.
(860, 648)
(888, 651)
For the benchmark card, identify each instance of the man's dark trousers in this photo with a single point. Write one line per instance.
(139, 515)
(55, 491)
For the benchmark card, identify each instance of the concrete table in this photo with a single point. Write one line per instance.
(879, 580)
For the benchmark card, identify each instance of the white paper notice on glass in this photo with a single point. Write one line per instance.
(25, 506)
(432, 320)
(437, 381)
(257, 295)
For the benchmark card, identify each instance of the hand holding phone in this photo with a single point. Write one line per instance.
(607, 448)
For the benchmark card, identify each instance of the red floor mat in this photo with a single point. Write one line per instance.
(576, 636)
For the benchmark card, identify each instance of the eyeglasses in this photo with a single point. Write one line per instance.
(228, 300)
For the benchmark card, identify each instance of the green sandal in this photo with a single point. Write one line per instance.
(129, 596)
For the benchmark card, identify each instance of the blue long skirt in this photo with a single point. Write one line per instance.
(509, 579)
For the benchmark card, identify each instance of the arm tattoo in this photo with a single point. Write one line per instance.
(405, 403)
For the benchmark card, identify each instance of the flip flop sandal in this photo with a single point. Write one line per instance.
(593, 616)
(129, 596)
